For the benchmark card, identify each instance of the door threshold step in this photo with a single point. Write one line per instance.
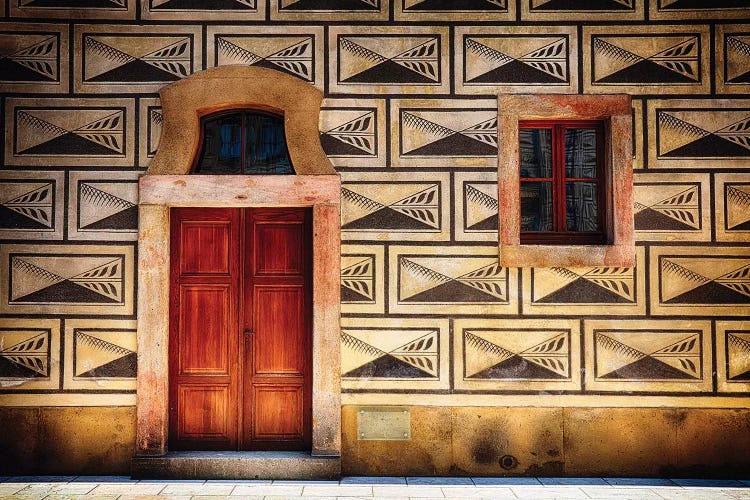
(236, 465)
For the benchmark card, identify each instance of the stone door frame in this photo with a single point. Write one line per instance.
(167, 184)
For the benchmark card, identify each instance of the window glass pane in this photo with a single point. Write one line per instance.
(581, 205)
(221, 152)
(536, 152)
(266, 151)
(580, 152)
(536, 206)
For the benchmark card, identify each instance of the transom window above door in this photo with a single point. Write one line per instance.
(239, 142)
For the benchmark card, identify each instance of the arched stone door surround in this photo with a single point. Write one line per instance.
(167, 184)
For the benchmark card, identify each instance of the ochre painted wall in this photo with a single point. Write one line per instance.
(576, 371)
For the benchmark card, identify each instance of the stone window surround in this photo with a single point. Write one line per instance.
(166, 184)
(616, 113)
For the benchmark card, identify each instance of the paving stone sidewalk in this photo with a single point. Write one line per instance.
(124, 488)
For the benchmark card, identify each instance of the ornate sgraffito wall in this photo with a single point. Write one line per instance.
(409, 121)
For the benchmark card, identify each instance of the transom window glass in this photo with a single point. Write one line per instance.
(562, 182)
(243, 142)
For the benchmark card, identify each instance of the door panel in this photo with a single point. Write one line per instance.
(278, 248)
(205, 247)
(279, 331)
(204, 412)
(279, 411)
(203, 333)
(240, 329)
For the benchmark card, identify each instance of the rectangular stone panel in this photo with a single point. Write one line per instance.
(705, 281)
(353, 132)
(322, 10)
(295, 50)
(699, 11)
(732, 58)
(389, 60)
(732, 195)
(224, 10)
(440, 10)
(706, 133)
(394, 353)
(672, 207)
(412, 206)
(492, 60)
(362, 279)
(130, 59)
(517, 355)
(648, 355)
(733, 356)
(78, 132)
(443, 133)
(29, 354)
(67, 279)
(476, 206)
(100, 354)
(149, 129)
(426, 280)
(74, 9)
(646, 59)
(103, 206)
(586, 290)
(578, 10)
(34, 58)
(32, 205)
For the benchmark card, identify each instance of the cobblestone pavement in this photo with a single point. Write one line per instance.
(124, 488)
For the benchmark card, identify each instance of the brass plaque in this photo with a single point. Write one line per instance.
(383, 423)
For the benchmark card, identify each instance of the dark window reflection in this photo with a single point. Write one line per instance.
(582, 211)
(536, 152)
(580, 153)
(244, 143)
(536, 206)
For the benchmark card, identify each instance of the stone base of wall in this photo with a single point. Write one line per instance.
(462, 441)
(66, 440)
(516, 441)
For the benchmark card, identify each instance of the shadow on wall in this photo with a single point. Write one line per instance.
(67, 440)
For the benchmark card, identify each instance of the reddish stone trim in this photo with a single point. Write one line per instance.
(615, 111)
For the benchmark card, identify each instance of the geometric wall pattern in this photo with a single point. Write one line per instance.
(409, 119)
(733, 356)
(672, 207)
(657, 60)
(692, 133)
(518, 355)
(586, 290)
(517, 60)
(100, 354)
(34, 58)
(706, 281)
(648, 355)
(118, 60)
(394, 353)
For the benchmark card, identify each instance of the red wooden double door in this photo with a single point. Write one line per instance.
(240, 329)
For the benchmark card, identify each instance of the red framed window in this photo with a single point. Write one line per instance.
(562, 182)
